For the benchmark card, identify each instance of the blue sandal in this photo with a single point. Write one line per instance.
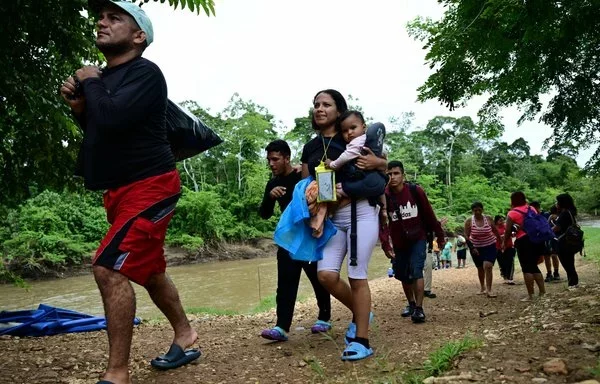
(275, 334)
(351, 330)
(356, 351)
(321, 326)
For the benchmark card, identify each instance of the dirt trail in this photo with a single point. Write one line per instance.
(517, 340)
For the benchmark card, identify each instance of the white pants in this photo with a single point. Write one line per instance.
(367, 233)
(427, 275)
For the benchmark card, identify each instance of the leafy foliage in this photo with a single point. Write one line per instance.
(51, 231)
(456, 160)
(513, 52)
(42, 44)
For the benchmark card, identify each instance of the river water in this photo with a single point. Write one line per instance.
(227, 285)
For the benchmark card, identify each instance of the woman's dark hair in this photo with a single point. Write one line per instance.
(517, 199)
(345, 115)
(340, 104)
(477, 204)
(497, 218)
(280, 146)
(565, 201)
(553, 210)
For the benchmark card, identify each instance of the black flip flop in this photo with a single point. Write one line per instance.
(175, 358)
(105, 382)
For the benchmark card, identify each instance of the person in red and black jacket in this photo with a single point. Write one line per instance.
(404, 236)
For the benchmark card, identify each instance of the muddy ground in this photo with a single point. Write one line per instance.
(518, 338)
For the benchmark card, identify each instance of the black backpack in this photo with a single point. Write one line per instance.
(572, 240)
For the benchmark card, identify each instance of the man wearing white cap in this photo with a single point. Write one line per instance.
(125, 152)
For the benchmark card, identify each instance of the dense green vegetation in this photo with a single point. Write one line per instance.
(48, 222)
(513, 53)
(457, 161)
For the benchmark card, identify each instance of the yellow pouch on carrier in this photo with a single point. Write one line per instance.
(326, 184)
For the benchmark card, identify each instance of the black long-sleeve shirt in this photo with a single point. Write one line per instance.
(124, 123)
(268, 204)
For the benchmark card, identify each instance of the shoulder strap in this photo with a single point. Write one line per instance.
(572, 217)
(521, 212)
(335, 144)
(413, 191)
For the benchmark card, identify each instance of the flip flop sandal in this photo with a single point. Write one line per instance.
(105, 382)
(175, 358)
(275, 334)
(492, 295)
(351, 330)
(321, 327)
(356, 351)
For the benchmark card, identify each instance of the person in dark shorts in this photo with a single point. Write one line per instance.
(505, 251)
(528, 252)
(279, 189)
(481, 236)
(125, 152)
(461, 250)
(410, 217)
(551, 251)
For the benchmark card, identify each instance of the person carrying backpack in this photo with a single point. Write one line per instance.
(568, 238)
(410, 217)
(528, 249)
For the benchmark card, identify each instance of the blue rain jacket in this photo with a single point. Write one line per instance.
(293, 232)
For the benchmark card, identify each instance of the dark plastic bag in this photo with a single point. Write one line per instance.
(187, 134)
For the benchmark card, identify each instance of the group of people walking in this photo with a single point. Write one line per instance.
(489, 241)
(125, 153)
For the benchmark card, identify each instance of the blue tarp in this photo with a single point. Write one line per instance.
(48, 320)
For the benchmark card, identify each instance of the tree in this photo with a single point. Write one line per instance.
(512, 52)
(42, 44)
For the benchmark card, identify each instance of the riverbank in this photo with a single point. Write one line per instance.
(224, 251)
(517, 339)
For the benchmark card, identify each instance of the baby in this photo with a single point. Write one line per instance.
(354, 131)
(353, 128)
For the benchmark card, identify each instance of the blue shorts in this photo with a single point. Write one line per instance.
(409, 263)
(487, 253)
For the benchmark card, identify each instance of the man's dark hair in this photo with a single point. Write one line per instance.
(535, 204)
(345, 115)
(477, 204)
(497, 217)
(340, 104)
(517, 199)
(280, 146)
(396, 164)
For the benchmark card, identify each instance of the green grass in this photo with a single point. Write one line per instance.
(595, 371)
(592, 243)
(210, 311)
(265, 304)
(440, 360)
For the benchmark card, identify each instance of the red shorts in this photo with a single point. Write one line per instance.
(139, 214)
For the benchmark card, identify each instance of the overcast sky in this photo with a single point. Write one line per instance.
(279, 53)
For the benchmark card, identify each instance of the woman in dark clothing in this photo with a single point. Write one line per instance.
(355, 294)
(566, 216)
(505, 251)
(528, 253)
